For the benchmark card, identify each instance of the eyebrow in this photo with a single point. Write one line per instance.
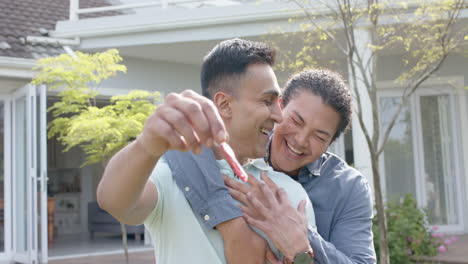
(272, 92)
(318, 130)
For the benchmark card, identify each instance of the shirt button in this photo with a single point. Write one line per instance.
(310, 174)
(207, 217)
(187, 189)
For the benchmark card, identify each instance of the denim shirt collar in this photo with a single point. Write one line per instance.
(311, 170)
(315, 167)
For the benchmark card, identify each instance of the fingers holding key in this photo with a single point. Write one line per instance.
(194, 117)
(184, 121)
(215, 128)
(178, 121)
(158, 135)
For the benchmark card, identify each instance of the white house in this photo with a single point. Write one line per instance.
(163, 43)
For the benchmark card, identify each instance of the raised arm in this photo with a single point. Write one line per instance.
(184, 122)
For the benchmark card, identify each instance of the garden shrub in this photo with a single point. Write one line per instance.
(409, 235)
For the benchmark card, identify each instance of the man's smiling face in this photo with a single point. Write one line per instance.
(255, 110)
(307, 130)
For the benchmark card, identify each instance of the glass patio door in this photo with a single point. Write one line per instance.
(29, 196)
(421, 156)
(441, 179)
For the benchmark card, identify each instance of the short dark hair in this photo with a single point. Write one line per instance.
(329, 86)
(228, 60)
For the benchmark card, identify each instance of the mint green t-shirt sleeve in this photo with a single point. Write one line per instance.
(161, 178)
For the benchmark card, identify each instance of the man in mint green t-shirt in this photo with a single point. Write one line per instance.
(174, 226)
(238, 78)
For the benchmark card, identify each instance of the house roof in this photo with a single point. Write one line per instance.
(22, 18)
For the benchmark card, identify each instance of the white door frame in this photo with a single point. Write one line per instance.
(43, 177)
(36, 173)
(7, 190)
(23, 257)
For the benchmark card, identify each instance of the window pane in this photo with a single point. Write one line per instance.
(439, 165)
(20, 177)
(398, 151)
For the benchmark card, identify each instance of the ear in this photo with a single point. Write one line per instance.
(223, 102)
(280, 100)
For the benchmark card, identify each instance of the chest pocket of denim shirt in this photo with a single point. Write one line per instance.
(324, 219)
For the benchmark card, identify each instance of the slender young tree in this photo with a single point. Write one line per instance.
(79, 120)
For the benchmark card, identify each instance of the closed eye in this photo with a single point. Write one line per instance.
(320, 138)
(297, 123)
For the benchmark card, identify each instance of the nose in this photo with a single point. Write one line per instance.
(276, 113)
(302, 139)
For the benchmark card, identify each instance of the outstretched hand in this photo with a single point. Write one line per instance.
(185, 121)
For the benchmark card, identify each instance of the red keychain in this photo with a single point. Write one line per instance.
(231, 159)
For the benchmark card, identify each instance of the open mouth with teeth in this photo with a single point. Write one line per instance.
(294, 150)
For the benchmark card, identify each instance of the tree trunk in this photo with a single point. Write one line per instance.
(124, 241)
(384, 257)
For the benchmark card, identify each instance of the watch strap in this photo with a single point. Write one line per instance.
(292, 261)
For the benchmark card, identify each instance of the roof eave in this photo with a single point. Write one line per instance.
(14, 67)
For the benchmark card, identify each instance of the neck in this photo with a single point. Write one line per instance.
(276, 168)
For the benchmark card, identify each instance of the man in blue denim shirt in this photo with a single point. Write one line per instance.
(317, 109)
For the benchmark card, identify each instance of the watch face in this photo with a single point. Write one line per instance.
(302, 258)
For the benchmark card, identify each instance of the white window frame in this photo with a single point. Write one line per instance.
(7, 192)
(453, 87)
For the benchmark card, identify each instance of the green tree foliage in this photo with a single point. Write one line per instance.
(360, 34)
(78, 120)
(101, 132)
(83, 71)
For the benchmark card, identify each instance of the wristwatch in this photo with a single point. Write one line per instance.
(306, 257)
